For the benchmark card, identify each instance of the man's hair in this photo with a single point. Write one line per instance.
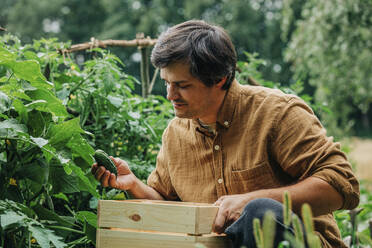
(206, 48)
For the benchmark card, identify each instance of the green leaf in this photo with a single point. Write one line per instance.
(37, 171)
(11, 127)
(91, 231)
(6, 56)
(31, 56)
(4, 102)
(29, 70)
(52, 103)
(63, 132)
(9, 218)
(44, 236)
(40, 142)
(46, 214)
(49, 152)
(116, 101)
(134, 115)
(62, 182)
(67, 168)
(13, 193)
(21, 109)
(61, 196)
(38, 122)
(84, 180)
(80, 147)
(87, 216)
(14, 89)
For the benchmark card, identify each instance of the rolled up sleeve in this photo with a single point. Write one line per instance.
(302, 149)
(343, 181)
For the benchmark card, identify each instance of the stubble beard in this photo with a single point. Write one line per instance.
(183, 114)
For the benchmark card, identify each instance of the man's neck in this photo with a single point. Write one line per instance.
(212, 117)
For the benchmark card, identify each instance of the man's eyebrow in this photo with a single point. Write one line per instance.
(176, 82)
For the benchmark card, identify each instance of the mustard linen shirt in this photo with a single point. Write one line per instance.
(265, 139)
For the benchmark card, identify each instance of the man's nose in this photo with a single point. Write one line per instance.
(172, 92)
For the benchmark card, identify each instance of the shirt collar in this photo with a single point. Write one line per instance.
(226, 112)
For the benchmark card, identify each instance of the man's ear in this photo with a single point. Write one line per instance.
(221, 82)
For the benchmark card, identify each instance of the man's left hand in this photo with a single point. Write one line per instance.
(230, 209)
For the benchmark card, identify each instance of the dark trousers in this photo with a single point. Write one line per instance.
(241, 231)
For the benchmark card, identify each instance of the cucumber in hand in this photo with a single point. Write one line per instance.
(103, 159)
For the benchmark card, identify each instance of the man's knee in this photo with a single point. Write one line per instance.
(258, 207)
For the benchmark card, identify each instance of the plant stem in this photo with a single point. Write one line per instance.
(66, 229)
(11, 75)
(81, 82)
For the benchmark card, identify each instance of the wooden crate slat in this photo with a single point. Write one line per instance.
(157, 216)
(107, 238)
(204, 220)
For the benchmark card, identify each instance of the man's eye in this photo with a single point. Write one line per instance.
(184, 86)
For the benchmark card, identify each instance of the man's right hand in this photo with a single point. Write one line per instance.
(125, 180)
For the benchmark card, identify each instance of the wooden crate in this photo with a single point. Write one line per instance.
(145, 223)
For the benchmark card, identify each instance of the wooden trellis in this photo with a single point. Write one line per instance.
(142, 43)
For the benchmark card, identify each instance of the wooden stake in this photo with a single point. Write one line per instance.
(142, 42)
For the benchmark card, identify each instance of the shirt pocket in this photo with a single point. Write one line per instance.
(258, 177)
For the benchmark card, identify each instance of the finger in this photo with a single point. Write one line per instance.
(99, 172)
(235, 216)
(219, 223)
(122, 166)
(94, 168)
(105, 178)
(117, 161)
(120, 162)
(112, 181)
(218, 202)
(230, 219)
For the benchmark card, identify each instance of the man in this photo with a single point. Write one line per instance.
(239, 147)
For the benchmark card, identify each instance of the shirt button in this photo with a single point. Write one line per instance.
(217, 147)
(220, 180)
(226, 123)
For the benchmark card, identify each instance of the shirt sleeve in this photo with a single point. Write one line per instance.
(302, 149)
(159, 178)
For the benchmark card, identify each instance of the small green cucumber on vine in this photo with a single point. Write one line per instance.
(103, 159)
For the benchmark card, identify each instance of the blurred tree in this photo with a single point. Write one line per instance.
(6, 5)
(253, 24)
(82, 19)
(66, 19)
(31, 19)
(332, 48)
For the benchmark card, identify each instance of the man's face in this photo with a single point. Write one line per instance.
(189, 96)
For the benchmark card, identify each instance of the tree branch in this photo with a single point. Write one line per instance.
(2, 29)
(139, 42)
